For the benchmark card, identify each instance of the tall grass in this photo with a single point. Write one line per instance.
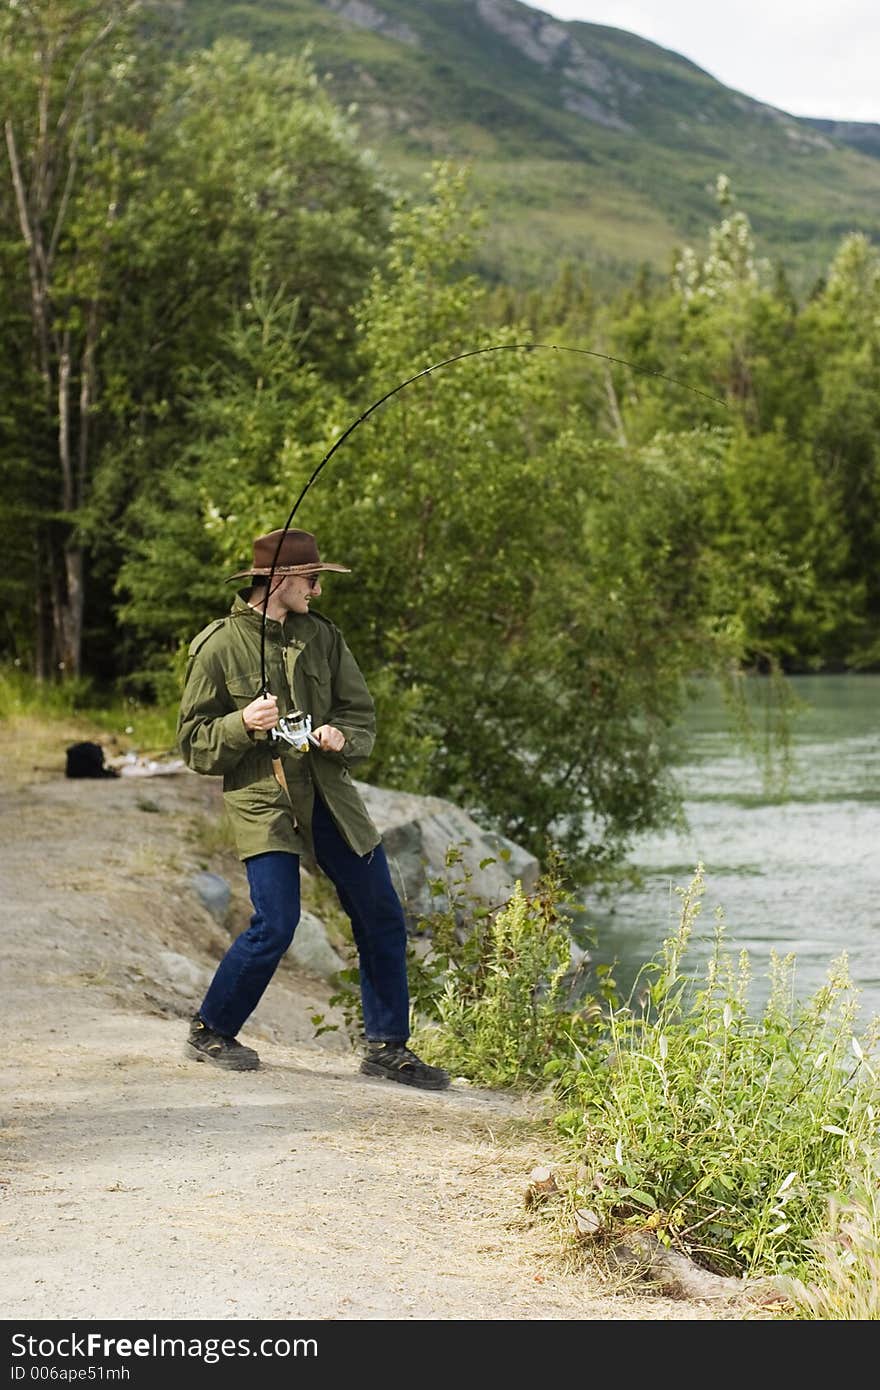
(132, 723)
(724, 1134)
(842, 1279)
(501, 1015)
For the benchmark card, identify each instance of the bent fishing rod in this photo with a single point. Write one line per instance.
(426, 371)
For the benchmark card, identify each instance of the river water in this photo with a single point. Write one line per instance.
(795, 869)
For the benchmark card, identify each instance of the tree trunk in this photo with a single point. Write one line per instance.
(69, 596)
(56, 610)
(44, 176)
(71, 616)
(42, 622)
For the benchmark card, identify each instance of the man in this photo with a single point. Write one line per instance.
(283, 801)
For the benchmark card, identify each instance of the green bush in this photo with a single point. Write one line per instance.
(722, 1133)
(493, 995)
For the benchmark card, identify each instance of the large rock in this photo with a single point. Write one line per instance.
(214, 893)
(312, 951)
(186, 976)
(418, 831)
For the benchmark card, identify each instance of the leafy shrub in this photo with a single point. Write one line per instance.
(494, 997)
(723, 1134)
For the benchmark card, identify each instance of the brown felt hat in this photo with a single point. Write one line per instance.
(298, 555)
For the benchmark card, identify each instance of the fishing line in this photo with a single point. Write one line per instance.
(426, 371)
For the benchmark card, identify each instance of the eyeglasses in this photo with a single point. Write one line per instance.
(313, 580)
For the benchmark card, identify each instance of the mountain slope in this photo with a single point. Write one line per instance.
(584, 141)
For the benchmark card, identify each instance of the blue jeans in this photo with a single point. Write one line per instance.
(363, 885)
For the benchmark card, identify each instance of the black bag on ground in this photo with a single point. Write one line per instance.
(87, 760)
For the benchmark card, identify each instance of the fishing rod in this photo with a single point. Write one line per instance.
(426, 371)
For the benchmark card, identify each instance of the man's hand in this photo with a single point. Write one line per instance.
(261, 713)
(329, 738)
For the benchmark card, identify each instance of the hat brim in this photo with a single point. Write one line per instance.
(290, 569)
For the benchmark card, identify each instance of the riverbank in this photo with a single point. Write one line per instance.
(140, 1185)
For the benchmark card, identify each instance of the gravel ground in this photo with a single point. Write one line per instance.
(140, 1185)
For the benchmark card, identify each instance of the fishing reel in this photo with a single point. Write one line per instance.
(296, 728)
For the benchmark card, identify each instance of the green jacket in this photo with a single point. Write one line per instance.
(309, 668)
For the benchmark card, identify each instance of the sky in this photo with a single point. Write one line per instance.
(806, 57)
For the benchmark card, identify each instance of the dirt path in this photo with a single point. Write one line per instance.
(137, 1184)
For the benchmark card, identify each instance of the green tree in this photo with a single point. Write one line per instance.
(839, 421)
(69, 72)
(780, 552)
(255, 418)
(528, 598)
(533, 584)
(149, 202)
(254, 209)
(779, 519)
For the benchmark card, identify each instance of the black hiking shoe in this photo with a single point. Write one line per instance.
(204, 1045)
(395, 1062)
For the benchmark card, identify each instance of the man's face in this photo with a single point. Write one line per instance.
(297, 590)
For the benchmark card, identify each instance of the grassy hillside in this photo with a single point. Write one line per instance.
(584, 141)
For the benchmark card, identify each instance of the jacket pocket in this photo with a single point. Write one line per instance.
(244, 688)
(252, 803)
